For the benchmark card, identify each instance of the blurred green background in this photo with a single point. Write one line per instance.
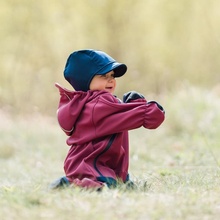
(165, 44)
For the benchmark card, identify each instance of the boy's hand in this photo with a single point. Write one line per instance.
(132, 95)
(158, 105)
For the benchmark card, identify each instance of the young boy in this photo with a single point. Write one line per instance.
(97, 122)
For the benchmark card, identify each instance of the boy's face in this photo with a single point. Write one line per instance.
(105, 82)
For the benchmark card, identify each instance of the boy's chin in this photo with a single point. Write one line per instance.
(110, 90)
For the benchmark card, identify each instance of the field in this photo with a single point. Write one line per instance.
(175, 168)
(171, 49)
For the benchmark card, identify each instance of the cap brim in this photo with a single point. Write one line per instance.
(118, 68)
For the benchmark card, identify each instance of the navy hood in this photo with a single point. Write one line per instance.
(83, 65)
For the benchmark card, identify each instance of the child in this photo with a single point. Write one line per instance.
(97, 122)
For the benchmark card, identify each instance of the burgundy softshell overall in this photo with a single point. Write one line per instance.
(97, 124)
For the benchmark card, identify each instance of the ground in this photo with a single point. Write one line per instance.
(176, 167)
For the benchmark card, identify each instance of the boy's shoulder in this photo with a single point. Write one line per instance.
(103, 96)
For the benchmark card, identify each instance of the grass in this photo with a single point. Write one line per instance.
(176, 167)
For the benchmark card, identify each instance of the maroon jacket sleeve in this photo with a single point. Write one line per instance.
(109, 116)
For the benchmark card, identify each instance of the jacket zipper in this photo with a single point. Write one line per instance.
(106, 149)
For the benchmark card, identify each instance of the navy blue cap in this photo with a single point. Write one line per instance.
(83, 65)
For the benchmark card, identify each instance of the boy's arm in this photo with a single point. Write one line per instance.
(110, 117)
(137, 97)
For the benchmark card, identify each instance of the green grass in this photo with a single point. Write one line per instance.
(176, 167)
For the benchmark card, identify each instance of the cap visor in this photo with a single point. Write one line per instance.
(118, 68)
